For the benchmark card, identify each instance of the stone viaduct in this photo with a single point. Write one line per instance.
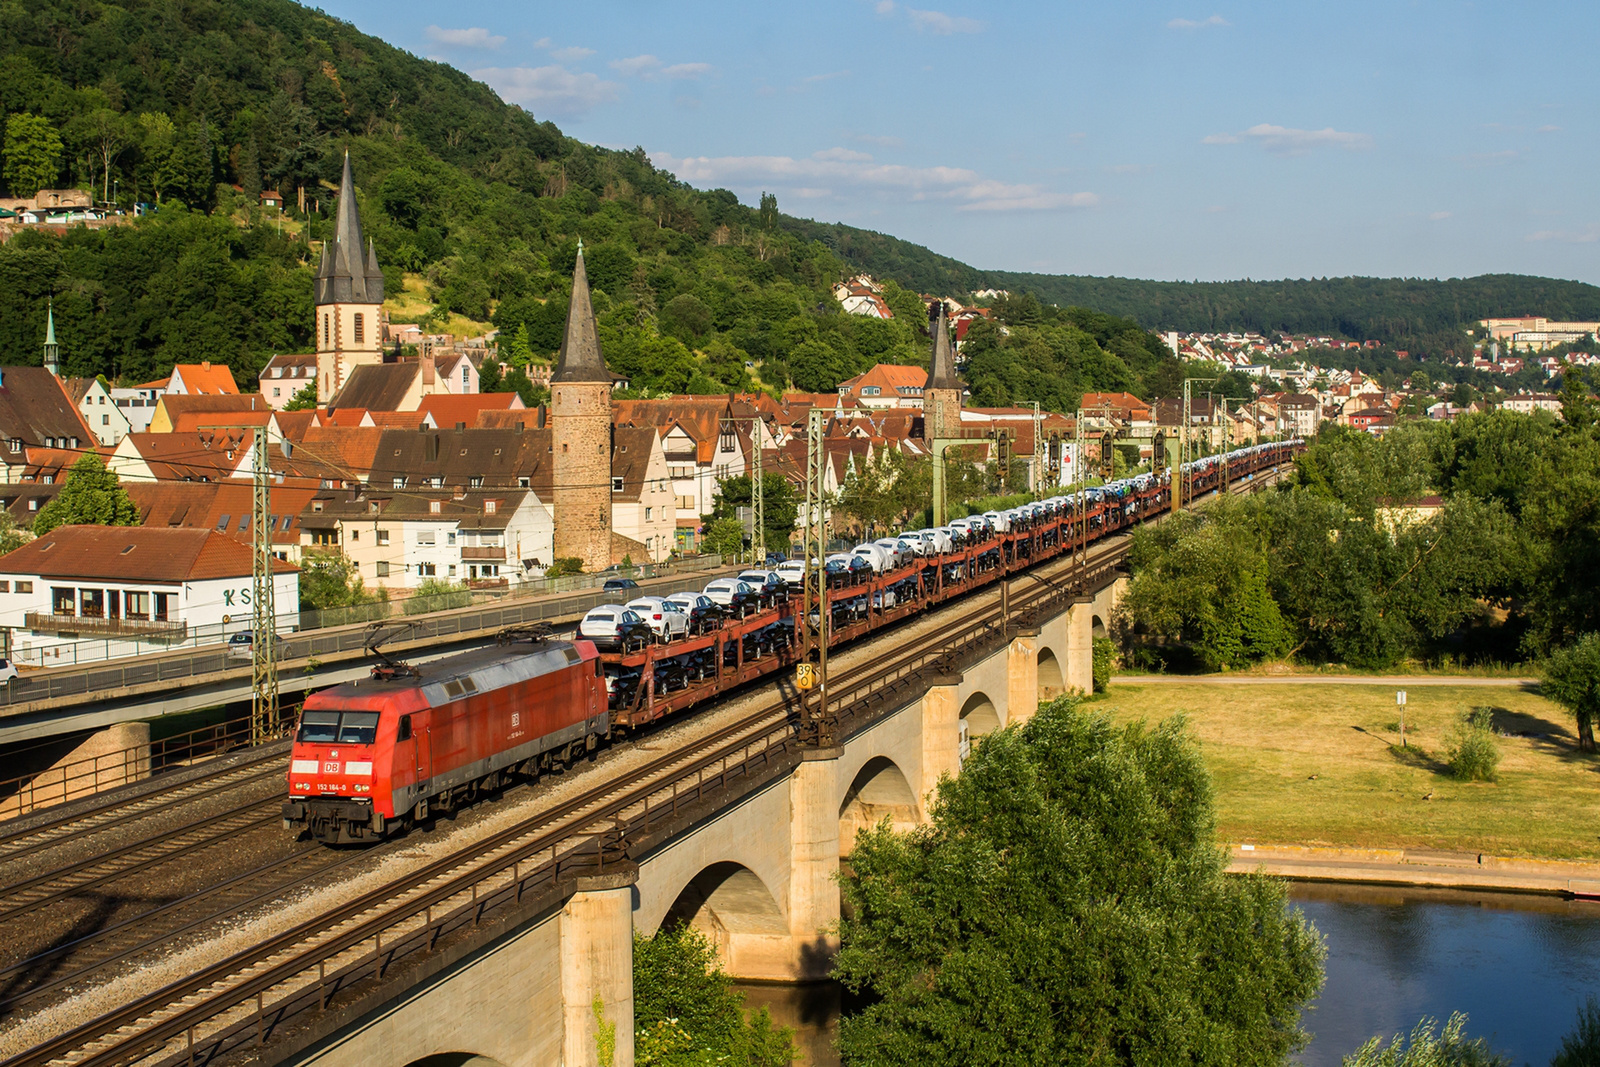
(757, 876)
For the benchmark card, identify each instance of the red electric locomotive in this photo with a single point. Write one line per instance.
(368, 755)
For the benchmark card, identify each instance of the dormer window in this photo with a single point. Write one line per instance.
(435, 507)
(616, 484)
(16, 445)
(489, 506)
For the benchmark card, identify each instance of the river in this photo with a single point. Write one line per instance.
(1518, 965)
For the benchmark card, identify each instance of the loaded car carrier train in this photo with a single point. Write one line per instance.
(370, 756)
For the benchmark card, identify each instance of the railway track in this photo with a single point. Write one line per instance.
(658, 789)
(246, 997)
(112, 810)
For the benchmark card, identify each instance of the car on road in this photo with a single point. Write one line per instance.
(617, 585)
(662, 616)
(704, 615)
(615, 628)
(733, 596)
(8, 671)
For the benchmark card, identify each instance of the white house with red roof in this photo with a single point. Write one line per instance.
(886, 385)
(90, 593)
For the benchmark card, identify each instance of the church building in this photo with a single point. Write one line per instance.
(349, 298)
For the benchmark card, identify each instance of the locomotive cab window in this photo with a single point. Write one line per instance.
(403, 731)
(342, 728)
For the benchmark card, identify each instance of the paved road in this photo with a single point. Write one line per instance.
(1399, 681)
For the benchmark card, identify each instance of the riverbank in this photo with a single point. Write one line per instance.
(1419, 867)
(1319, 763)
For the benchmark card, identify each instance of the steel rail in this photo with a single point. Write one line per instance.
(975, 637)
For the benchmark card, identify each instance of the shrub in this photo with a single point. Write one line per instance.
(1429, 1049)
(437, 595)
(1581, 1047)
(564, 566)
(1105, 651)
(1473, 752)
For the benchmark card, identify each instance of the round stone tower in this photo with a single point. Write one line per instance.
(580, 435)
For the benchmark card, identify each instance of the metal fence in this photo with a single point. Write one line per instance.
(114, 647)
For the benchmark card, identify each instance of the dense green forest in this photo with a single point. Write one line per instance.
(1421, 315)
(195, 108)
(477, 209)
(1333, 567)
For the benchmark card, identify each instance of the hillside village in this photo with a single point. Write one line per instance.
(384, 451)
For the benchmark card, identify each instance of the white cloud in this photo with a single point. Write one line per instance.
(1587, 236)
(471, 37)
(553, 90)
(568, 55)
(940, 23)
(1286, 140)
(1192, 24)
(649, 67)
(843, 172)
(634, 66)
(843, 155)
(1548, 129)
(936, 22)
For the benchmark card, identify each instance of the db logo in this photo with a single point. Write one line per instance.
(330, 768)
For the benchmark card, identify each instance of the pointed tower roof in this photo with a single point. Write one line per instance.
(580, 359)
(942, 368)
(348, 273)
(50, 325)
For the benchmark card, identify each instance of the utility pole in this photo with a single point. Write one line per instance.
(815, 726)
(1181, 487)
(263, 647)
(758, 488)
(1038, 448)
(263, 600)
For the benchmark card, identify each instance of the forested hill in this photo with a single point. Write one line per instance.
(1394, 310)
(476, 208)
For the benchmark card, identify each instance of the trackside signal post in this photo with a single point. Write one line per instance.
(264, 622)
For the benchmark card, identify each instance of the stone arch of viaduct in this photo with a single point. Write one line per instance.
(757, 876)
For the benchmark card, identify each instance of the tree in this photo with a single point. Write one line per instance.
(778, 505)
(1572, 679)
(331, 583)
(725, 537)
(686, 1013)
(304, 399)
(91, 495)
(33, 153)
(1428, 1048)
(1581, 1047)
(769, 212)
(1068, 903)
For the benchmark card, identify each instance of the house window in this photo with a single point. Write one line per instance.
(450, 538)
(616, 484)
(24, 587)
(435, 507)
(490, 506)
(452, 572)
(222, 523)
(16, 444)
(383, 537)
(361, 327)
(466, 378)
(383, 568)
(277, 391)
(324, 537)
(355, 535)
(399, 481)
(92, 603)
(161, 606)
(64, 600)
(33, 504)
(136, 605)
(425, 537)
(427, 570)
(105, 420)
(647, 512)
(866, 390)
(5, 586)
(524, 483)
(476, 481)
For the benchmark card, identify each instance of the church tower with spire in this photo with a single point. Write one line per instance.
(941, 400)
(580, 425)
(52, 351)
(349, 297)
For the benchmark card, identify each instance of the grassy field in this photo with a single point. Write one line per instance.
(1320, 765)
(411, 304)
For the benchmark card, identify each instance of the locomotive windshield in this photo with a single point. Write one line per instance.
(338, 727)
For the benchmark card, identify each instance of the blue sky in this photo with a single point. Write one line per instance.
(1192, 139)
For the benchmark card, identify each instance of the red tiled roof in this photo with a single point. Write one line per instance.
(448, 409)
(134, 553)
(205, 379)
